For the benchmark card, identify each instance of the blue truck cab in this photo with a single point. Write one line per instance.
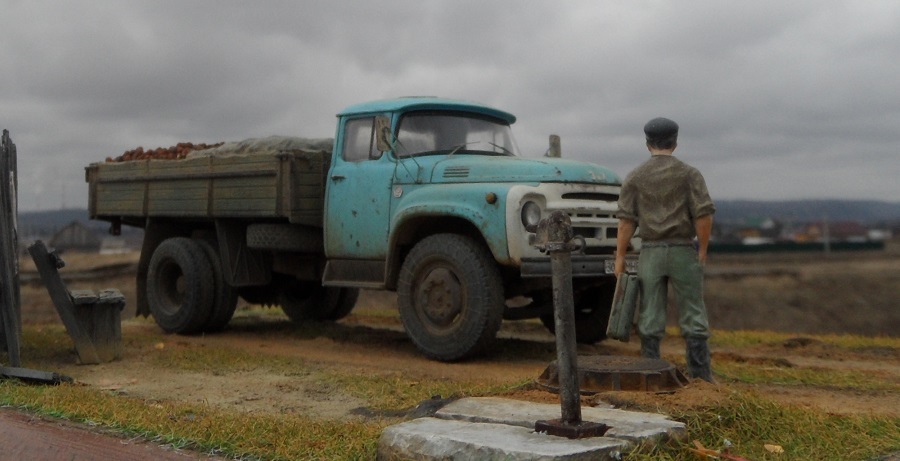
(431, 198)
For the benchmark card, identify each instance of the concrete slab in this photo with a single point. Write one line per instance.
(493, 428)
(629, 425)
(449, 440)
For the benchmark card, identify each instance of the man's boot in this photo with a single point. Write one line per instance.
(649, 348)
(698, 359)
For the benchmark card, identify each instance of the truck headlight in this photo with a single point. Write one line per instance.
(531, 216)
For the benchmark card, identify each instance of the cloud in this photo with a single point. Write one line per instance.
(776, 100)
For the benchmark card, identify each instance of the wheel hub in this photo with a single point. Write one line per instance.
(439, 297)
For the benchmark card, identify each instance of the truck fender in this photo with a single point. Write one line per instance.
(417, 221)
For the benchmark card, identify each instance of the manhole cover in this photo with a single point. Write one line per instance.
(598, 373)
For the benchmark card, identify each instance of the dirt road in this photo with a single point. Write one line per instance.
(27, 437)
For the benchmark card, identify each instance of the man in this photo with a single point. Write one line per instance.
(667, 200)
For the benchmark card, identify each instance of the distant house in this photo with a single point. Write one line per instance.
(75, 237)
(838, 231)
(758, 230)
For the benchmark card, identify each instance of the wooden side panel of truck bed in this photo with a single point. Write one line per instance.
(285, 185)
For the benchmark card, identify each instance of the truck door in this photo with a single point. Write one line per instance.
(357, 207)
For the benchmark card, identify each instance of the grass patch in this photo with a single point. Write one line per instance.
(202, 428)
(220, 360)
(753, 373)
(740, 339)
(395, 392)
(45, 342)
(748, 422)
(379, 312)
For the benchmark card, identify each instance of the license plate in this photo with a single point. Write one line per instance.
(631, 265)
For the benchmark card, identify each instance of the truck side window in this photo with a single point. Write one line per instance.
(359, 140)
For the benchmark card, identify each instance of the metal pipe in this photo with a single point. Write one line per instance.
(555, 238)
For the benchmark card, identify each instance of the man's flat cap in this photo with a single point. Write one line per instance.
(660, 128)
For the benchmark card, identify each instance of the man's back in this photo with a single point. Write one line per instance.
(664, 195)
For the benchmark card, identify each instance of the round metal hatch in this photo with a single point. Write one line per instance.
(599, 373)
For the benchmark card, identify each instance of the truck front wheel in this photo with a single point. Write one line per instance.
(450, 297)
(180, 286)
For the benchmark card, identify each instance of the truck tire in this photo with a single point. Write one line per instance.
(180, 286)
(304, 301)
(224, 297)
(450, 297)
(285, 237)
(592, 310)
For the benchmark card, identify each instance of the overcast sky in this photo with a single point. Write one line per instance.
(776, 100)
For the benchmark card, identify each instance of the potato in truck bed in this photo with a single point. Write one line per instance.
(276, 177)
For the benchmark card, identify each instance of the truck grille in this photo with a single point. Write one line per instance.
(590, 207)
(598, 227)
(456, 172)
(599, 196)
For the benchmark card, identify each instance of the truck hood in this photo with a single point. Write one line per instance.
(479, 168)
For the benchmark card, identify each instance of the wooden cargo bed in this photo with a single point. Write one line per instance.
(284, 185)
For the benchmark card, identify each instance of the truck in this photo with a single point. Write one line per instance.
(423, 196)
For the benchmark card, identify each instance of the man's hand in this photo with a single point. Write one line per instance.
(625, 232)
(703, 226)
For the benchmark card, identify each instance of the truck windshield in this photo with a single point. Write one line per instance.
(442, 133)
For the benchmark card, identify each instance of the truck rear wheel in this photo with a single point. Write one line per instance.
(592, 310)
(450, 297)
(180, 286)
(224, 297)
(302, 301)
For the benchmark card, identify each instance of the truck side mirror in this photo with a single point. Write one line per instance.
(383, 133)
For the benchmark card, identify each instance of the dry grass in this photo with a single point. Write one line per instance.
(745, 418)
(746, 422)
(237, 434)
(201, 428)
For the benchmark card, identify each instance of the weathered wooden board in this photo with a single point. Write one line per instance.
(100, 316)
(34, 376)
(10, 309)
(284, 185)
(46, 264)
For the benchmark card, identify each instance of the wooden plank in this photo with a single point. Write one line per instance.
(306, 195)
(245, 162)
(239, 191)
(34, 376)
(279, 185)
(47, 267)
(10, 308)
(100, 316)
(188, 196)
(83, 297)
(103, 172)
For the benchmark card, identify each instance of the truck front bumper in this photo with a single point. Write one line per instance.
(582, 266)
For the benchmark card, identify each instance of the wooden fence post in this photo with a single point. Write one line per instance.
(10, 313)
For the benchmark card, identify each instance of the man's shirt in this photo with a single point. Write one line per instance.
(663, 196)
